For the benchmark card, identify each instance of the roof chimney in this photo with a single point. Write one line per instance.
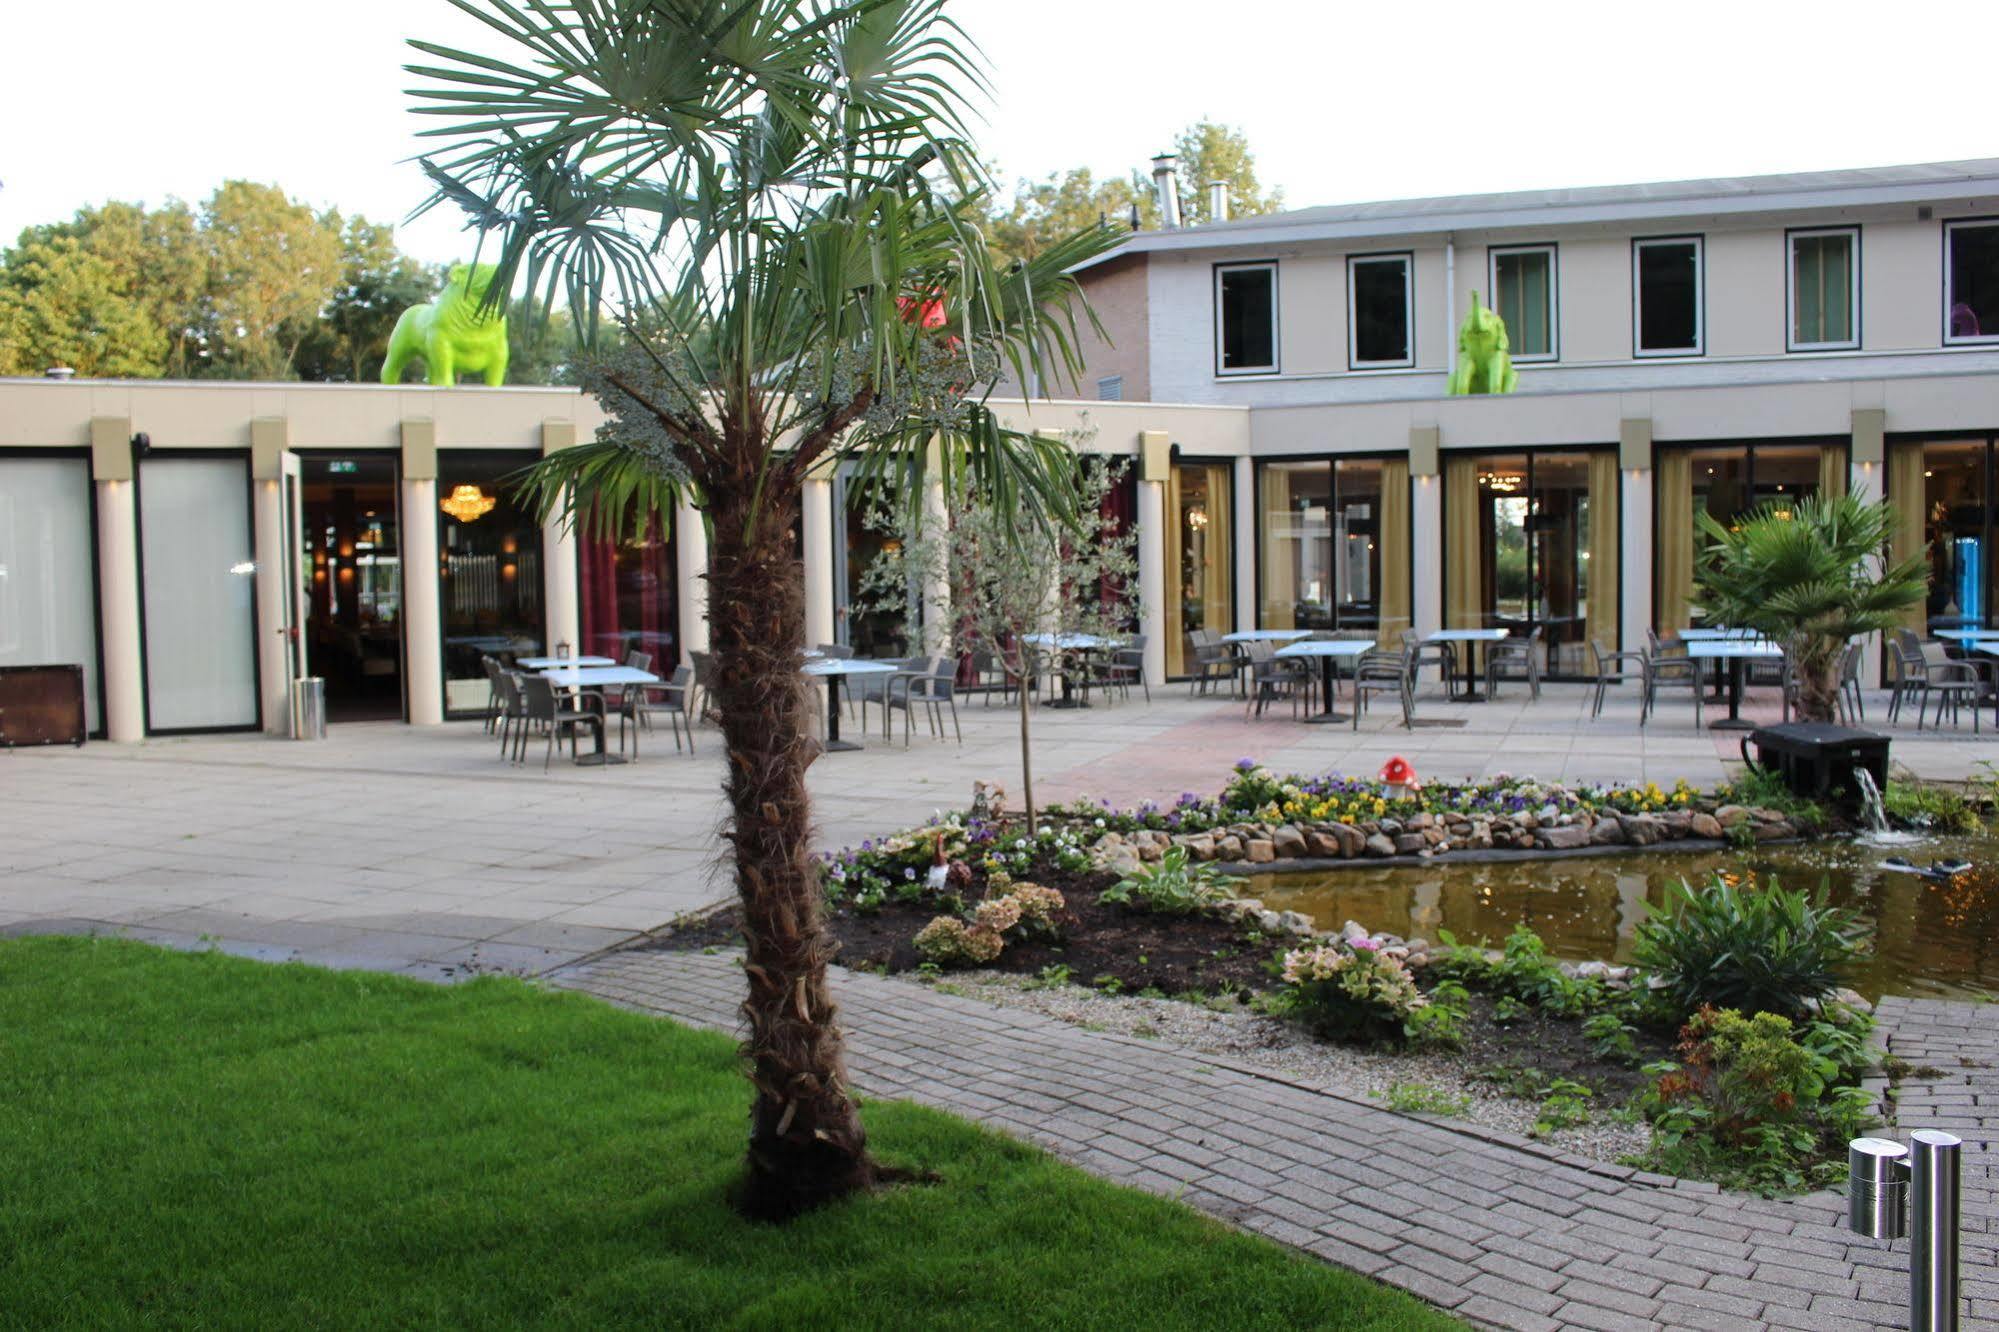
(58, 372)
(1218, 201)
(1166, 184)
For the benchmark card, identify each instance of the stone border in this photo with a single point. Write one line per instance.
(1322, 864)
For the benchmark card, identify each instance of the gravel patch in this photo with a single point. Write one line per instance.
(1229, 1028)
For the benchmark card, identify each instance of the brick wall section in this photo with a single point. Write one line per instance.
(1502, 1231)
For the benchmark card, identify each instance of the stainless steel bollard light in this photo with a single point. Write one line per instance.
(1877, 1188)
(1893, 1191)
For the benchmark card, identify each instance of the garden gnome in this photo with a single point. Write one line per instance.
(1399, 778)
(940, 868)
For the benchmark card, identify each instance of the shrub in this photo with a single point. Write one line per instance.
(1750, 1104)
(1759, 950)
(1175, 886)
(1041, 910)
(950, 942)
(1350, 991)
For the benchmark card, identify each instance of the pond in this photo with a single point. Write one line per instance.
(1931, 939)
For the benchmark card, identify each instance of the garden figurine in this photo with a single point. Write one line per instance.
(454, 334)
(1485, 357)
(1398, 775)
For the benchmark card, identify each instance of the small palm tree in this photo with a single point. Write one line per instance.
(777, 202)
(1810, 575)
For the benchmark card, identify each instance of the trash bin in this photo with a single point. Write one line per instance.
(309, 708)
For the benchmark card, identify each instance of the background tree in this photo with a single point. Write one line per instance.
(1065, 202)
(1001, 585)
(272, 266)
(776, 198)
(61, 304)
(1810, 575)
(347, 339)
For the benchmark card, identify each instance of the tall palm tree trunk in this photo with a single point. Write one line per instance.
(807, 1146)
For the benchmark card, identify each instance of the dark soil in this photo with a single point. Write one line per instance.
(1118, 949)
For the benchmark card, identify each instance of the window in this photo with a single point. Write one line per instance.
(1245, 319)
(1523, 292)
(1971, 278)
(48, 610)
(199, 592)
(1666, 283)
(1110, 388)
(1825, 289)
(1378, 312)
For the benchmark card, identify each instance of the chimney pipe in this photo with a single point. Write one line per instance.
(1166, 184)
(1218, 201)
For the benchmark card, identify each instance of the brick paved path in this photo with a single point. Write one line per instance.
(1500, 1230)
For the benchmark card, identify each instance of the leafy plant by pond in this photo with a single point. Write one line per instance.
(1350, 990)
(1755, 948)
(1174, 886)
(1933, 808)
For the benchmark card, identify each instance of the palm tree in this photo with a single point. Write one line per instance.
(1810, 575)
(777, 202)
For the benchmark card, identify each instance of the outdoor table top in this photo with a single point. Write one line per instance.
(550, 663)
(1267, 635)
(1704, 635)
(1467, 635)
(1990, 647)
(1969, 635)
(1327, 647)
(1081, 641)
(848, 666)
(1713, 649)
(583, 677)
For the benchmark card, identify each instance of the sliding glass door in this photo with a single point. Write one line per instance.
(199, 592)
(1333, 545)
(48, 565)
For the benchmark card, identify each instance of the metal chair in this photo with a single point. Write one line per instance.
(1441, 655)
(1522, 652)
(539, 704)
(670, 700)
(492, 668)
(1617, 668)
(1952, 681)
(1125, 665)
(1385, 671)
(1663, 666)
(512, 713)
(1211, 660)
(1852, 707)
(1270, 678)
(703, 698)
(937, 689)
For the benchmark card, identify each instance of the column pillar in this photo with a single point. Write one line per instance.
(817, 521)
(111, 467)
(936, 592)
(1155, 458)
(691, 575)
(423, 624)
(1426, 530)
(1635, 517)
(559, 556)
(1245, 553)
(1867, 460)
(270, 436)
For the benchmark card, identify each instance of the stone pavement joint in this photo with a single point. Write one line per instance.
(1502, 1231)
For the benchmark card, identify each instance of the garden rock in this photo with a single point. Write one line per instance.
(1289, 842)
(1409, 843)
(1229, 847)
(1260, 851)
(1352, 840)
(1705, 825)
(1201, 846)
(1379, 845)
(1642, 829)
(1323, 845)
(1730, 815)
(1607, 832)
(1562, 837)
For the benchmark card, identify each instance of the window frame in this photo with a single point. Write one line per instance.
(1408, 358)
(1276, 324)
(1950, 227)
(1638, 350)
(1792, 235)
(1553, 250)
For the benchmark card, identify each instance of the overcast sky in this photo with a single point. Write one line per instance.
(1341, 101)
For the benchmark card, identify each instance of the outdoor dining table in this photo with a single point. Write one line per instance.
(597, 678)
(1328, 651)
(1477, 638)
(1069, 643)
(833, 669)
(1734, 651)
(1971, 638)
(1267, 635)
(552, 663)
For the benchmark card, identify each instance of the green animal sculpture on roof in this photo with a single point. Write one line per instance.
(1485, 359)
(452, 334)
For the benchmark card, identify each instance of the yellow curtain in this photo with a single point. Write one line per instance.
(1174, 583)
(1217, 577)
(1391, 547)
(1603, 553)
(1280, 551)
(1909, 497)
(1464, 589)
(1673, 485)
(1832, 471)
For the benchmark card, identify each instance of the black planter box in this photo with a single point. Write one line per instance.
(1818, 759)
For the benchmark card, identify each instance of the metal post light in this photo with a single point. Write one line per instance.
(1893, 1191)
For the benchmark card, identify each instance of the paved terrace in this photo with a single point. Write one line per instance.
(414, 849)
(1500, 1230)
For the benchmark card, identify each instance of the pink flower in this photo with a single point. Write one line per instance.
(1368, 944)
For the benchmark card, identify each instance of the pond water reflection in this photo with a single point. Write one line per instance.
(1928, 938)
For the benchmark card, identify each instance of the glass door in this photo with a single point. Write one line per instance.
(351, 544)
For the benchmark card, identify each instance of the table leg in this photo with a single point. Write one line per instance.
(834, 744)
(1326, 681)
(1472, 693)
(1733, 721)
(1068, 699)
(599, 757)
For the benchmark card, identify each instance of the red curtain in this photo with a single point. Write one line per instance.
(629, 599)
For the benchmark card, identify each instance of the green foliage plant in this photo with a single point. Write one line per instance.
(1420, 1098)
(1564, 1103)
(1349, 990)
(1932, 807)
(1174, 885)
(1755, 948)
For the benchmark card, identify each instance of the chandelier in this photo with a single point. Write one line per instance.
(1197, 518)
(467, 503)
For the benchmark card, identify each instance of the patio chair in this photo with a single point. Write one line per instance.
(1385, 671)
(512, 714)
(837, 651)
(989, 676)
(1616, 668)
(876, 688)
(540, 705)
(1522, 652)
(1272, 677)
(935, 689)
(1125, 665)
(1209, 660)
(702, 700)
(1852, 707)
(669, 700)
(1441, 655)
(1664, 666)
(492, 668)
(1952, 681)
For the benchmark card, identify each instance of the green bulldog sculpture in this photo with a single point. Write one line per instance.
(1485, 360)
(452, 334)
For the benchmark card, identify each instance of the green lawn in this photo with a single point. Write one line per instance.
(197, 1140)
